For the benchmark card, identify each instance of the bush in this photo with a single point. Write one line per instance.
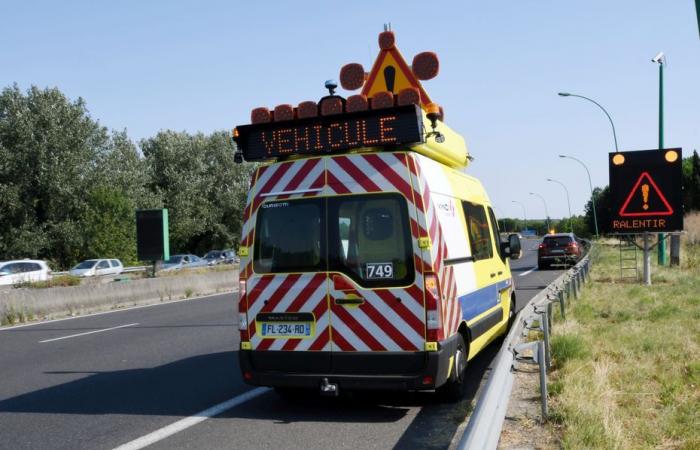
(59, 281)
(567, 347)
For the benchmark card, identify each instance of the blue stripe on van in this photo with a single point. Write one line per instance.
(483, 299)
(479, 301)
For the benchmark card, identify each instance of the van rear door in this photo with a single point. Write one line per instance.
(287, 289)
(375, 267)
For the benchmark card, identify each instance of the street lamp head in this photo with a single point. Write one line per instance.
(563, 156)
(564, 94)
(549, 179)
(659, 58)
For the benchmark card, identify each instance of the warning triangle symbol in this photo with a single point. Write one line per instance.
(390, 72)
(645, 199)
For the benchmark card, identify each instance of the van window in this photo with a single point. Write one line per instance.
(496, 233)
(370, 239)
(288, 237)
(478, 229)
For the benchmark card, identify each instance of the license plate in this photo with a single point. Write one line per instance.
(285, 329)
(557, 251)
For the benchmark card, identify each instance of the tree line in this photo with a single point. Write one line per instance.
(69, 187)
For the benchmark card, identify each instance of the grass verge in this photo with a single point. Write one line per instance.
(627, 360)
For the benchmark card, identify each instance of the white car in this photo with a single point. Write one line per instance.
(96, 267)
(22, 271)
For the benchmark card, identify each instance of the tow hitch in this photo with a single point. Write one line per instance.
(330, 389)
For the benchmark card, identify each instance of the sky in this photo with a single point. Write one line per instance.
(202, 66)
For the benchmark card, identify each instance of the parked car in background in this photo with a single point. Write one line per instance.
(215, 257)
(97, 267)
(22, 271)
(230, 256)
(177, 262)
(559, 248)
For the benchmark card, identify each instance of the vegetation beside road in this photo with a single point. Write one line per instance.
(627, 360)
(69, 186)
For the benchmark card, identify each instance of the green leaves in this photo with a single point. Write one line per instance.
(69, 188)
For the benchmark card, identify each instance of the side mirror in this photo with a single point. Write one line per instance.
(512, 249)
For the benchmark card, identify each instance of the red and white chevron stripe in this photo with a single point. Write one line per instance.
(289, 293)
(451, 309)
(382, 322)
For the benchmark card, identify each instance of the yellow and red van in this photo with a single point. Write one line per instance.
(369, 260)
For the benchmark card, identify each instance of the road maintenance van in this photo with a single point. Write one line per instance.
(369, 259)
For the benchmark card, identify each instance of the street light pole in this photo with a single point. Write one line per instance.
(566, 94)
(503, 220)
(660, 59)
(568, 201)
(590, 185)
(546, 212)
(524, 213)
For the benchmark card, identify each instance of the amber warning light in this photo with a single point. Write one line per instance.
(400, 125)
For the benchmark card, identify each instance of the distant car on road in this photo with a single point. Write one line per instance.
(22, 271)
(177, 262)
(559, 248)
(97, 267)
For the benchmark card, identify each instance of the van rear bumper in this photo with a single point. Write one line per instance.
(350, 370)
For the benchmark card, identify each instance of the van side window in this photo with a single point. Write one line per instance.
(478, 229)
(496, 233)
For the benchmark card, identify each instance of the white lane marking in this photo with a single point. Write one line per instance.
(188, 422)
(528, 272)
(129, 308)
(88, 332)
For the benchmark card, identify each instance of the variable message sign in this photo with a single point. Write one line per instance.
(646, 191)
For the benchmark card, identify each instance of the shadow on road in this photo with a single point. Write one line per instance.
(180, 388)
(193, 384)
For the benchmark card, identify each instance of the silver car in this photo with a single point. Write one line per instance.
(97, 267)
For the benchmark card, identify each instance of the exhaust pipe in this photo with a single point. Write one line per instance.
(329, 389)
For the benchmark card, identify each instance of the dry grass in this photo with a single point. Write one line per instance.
(692, 227)
(628, 360)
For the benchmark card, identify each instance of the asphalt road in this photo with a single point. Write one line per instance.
(106, 380)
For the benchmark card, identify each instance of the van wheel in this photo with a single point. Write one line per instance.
(511, 315)
(455, 388)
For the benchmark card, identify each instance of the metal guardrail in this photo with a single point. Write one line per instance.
(486, 422)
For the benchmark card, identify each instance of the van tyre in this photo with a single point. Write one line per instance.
(455, 388)
(511, 315)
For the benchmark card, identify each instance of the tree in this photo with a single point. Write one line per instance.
(109, 225)
(202, 187)
(48, 146)
(603, 204)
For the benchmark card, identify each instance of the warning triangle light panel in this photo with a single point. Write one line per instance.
(645, 199)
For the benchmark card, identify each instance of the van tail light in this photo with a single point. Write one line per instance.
(541, 246)
(433, 321)
(242, 311)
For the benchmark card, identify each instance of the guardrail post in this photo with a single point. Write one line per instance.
(562, 307)
(543, 379)
(545, 331)
(560, 296)
(576, 287)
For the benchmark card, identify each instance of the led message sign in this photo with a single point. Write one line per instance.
(401, 125)
(646, 191)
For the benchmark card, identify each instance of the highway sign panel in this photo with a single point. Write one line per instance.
(646, 191)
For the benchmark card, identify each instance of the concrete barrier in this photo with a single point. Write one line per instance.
(23, 304)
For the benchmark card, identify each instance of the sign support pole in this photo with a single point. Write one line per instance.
(661, 238)
(647, 259)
